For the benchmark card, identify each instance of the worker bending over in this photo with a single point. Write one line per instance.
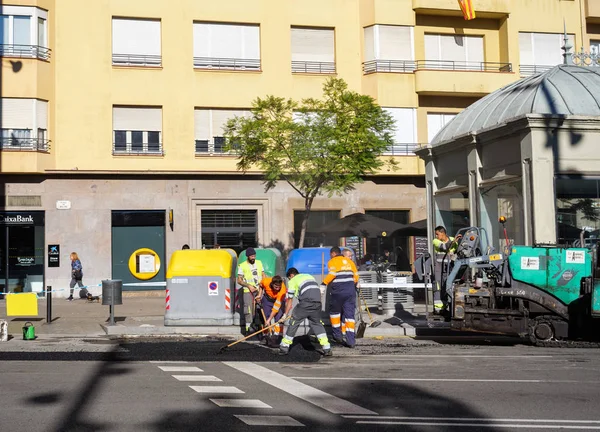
(343, 278)
(306, 289)
(250, 273)
(274, 292)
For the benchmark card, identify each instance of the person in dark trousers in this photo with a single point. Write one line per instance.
(306, 289)
(76, 274)
(343, 278)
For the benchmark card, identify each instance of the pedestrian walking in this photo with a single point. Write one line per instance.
(250, 273)
(343, 278)
(306, 289)
(273, 297)
(76, 275)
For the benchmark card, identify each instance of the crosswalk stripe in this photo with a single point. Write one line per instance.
(216, 389)
(258, 420)
(166, 361)
(196, 378)
(240, 403)
(180, 369)
(302, 391)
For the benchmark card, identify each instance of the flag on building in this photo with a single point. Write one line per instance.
(467, 9)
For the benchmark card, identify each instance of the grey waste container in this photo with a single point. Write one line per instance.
(200, 287)
(112, 292)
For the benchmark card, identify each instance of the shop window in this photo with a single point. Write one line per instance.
(315, 237)
(578, 211)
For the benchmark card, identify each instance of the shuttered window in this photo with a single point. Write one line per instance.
(389, 48)
(313, 50)
(22, 120)
(136, 42)
(405, 135)
(137, 130)
(230, 229)
(540, 51)
(209, 125)
(454, 52)
(226, 46)
(435, 123)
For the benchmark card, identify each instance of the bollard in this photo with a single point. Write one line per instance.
(49, 304)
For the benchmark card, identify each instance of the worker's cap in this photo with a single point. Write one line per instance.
(250, 251)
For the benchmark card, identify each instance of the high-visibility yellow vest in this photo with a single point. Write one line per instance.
(438, 245)
(247, 272)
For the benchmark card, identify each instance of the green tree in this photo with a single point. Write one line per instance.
(318, 146)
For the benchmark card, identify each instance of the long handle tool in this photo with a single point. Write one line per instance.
(253, 334)
(375, 323)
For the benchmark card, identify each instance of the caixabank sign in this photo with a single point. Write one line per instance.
(21, 218)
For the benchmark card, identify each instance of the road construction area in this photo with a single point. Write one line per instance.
(184, 384)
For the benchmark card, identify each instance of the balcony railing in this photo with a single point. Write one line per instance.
(137, 149)
(226, 63)
(528, 70)
(399, 66)
(216, 147)
(464, 66)
(25, 144)
(136, 60)
(401, 149)
(25, 51)
(313, 67)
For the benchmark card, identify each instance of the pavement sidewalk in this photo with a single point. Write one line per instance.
(144, 316)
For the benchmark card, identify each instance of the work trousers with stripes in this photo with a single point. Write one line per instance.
(342, 309)
(302, 311)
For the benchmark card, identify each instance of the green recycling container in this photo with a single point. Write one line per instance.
(28, 331)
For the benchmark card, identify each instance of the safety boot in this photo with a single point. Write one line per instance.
(327, 353)
(283, 351)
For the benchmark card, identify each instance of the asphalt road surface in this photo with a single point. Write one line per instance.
(185, 385)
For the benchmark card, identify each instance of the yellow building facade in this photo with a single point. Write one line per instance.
(112, 113)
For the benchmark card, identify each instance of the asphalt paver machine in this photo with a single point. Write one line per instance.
(546, 293)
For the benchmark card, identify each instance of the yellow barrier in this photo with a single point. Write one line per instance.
(21, 304)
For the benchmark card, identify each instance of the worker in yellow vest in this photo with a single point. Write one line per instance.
(250, 273)
(443, 247)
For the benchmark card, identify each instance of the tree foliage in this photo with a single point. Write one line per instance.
(318, 146)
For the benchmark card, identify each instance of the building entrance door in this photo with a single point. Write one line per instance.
(22, 251)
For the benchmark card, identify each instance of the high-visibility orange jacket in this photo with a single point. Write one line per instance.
(273, 297)
(342, 273)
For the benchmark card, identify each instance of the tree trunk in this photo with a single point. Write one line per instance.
(307, 205)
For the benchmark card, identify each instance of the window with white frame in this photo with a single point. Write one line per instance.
(136, 42)
(405, 135)
(389, 48)
(137, 130)
(209, 124)
(23, 32)
(313, 50)
(226, 46)
(453, 52)
(595, 47)
(541, 51)
(436, 122)
(24, 124)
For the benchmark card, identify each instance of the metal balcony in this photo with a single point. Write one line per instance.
(137, 149)
(401, 149)
(25, 51)
(25, 144)
(215, 63)
(397, 66)
(311, 67)
(463, 66)
(136, 60)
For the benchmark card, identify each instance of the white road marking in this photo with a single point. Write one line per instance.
(166, 362)
(441, 380)
(240, 403)
(302, 391)
(499, 357)
(258, 420)
(472, 419)
(180, 369)
(196, 378)
(480, 425)
(216, 389)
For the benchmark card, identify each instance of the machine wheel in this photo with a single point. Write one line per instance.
(540, 330)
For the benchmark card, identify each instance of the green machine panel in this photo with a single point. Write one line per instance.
(596, 300)
(555, 270)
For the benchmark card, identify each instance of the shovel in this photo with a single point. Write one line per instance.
(375, 323)
(362, 326)
(222, 349)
